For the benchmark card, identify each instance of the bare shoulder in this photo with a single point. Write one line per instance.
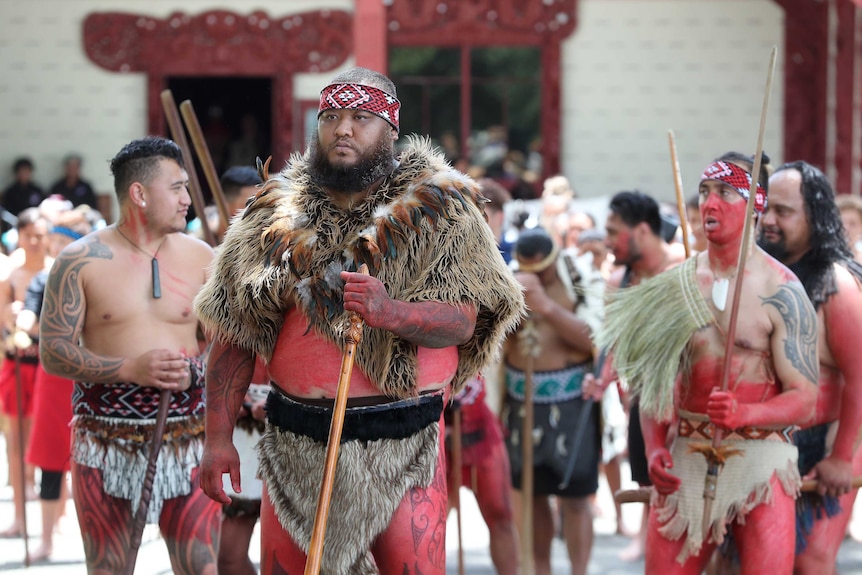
(193, 248)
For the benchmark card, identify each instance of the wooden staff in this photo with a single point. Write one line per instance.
(680, 199)
(531, 350)
(318, 532)
(179, 136)
(206, 160)
(139, 521)
(716, 454)
(22, 446)
(456, 483)
(643, 494)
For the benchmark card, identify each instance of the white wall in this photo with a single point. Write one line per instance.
(636, 68)
(54, 101)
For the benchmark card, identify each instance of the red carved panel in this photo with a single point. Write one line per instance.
(437, 22)
(221, 43)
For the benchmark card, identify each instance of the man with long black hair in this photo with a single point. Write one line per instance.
(802, 228)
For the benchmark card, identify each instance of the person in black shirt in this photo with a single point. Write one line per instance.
(72, 187)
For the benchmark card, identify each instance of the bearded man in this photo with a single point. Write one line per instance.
(437, 303)
(802, 228)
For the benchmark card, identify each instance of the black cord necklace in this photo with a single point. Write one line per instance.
(157, 286)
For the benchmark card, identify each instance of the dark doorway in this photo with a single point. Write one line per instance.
(235, 114)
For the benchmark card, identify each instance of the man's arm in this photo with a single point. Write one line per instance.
(571, 329)
(229, 372)
(427, 323)
(658, 457)
(793, 344)
(63, 311)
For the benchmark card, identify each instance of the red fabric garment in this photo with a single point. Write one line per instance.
(51, 436)
(8, 387)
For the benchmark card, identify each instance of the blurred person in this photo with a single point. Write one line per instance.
(850, 209)
(556, 198)
(19, 364)
(564, 356)
(577, 223)
(23, 193)
(50, 436)
(117, 319)
(697, 237)
(72, 187)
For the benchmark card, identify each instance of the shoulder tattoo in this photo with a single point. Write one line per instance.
(801, 322)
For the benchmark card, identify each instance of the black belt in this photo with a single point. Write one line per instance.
(395, 420)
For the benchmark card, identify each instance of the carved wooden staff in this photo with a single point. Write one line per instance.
(206, 160)
(22, 446)
(179, 136)
(139, 521)
(318, 532)
(643, 494)
(456, 480)
(715, 454)
(680, 198)
(530, 349)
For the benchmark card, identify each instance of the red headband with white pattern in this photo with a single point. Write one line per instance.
(360, 97)
(738, 179)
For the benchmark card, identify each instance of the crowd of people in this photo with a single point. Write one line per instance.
(558, 351)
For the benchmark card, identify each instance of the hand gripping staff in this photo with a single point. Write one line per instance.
(318, 532)
(715, 454)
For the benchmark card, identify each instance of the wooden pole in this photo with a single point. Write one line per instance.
(530, 349)
(179, 136)
(22, 446)
(139, 521)
(318, 532)
(202, 150)
(457, 463)
(680, 196)
(714, 466)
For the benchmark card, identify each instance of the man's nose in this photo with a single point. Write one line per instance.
(344, 127)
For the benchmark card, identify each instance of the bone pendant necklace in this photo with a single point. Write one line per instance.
(719, 292)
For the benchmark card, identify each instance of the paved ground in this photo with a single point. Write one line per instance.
(152, 559)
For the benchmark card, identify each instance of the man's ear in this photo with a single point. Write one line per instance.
(394, 133)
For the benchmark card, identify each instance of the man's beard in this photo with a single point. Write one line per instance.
(371, 166)
(777, 249)
(633, 254)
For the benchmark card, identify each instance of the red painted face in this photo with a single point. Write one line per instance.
(723, 211)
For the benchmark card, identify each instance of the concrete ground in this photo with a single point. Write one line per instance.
(153, 559)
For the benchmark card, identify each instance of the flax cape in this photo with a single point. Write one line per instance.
(422, 233)
(648, 327)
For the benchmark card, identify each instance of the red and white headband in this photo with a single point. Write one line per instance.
(738, 179)
(360, 97)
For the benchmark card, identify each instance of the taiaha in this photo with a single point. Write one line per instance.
(179, 136)
(530, 349)
(715, 454)
(197, 136)
(22, 475)
(455, 471)
(680, 199)
(353, 336)
(139, 520)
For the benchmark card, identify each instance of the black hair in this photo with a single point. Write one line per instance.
(533, 242)
(237, 177)
(23, 162)
(138, 161)
(634, 207)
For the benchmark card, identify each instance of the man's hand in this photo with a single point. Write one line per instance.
(834, 476)
(219, 457)
(660, 460)
(162, 369)
(593, 388)
(534, 294)
(367, 296)
(724, 410)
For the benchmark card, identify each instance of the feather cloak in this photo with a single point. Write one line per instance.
(421, 233)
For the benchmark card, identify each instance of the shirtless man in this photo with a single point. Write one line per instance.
(565, 356)
(33, 241)
(772, 388)
(801, 228)
(437, 303)
(117, 318)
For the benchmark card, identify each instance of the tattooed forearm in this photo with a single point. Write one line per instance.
(799, 317)
(63, 309)
(435, 324)
(229, 372)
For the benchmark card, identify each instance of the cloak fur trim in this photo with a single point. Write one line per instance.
(421, 233)
(648, 327)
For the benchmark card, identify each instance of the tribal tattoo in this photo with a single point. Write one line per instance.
(799, 317)
(229, 370)
(62, 319)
